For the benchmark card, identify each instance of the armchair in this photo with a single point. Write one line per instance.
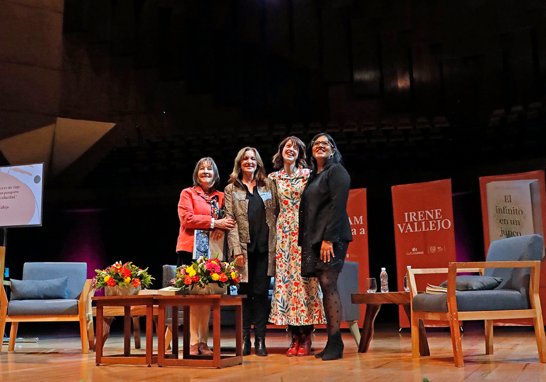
(76, 306)
(517, 261)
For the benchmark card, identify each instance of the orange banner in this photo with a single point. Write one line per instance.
(358, 248)
(506, 203)
(424, 233)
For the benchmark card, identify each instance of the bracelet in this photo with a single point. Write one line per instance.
(212, 223)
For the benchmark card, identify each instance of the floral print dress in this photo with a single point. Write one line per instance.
(296, 300)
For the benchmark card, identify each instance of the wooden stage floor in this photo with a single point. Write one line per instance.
(389, 359)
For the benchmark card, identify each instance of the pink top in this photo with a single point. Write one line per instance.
(194, 213)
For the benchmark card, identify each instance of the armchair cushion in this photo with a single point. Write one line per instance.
(475, 283)
(42, 307)
(472, 301)
(76, 272)
(39, 289)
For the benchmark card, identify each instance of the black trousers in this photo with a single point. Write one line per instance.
(256, 306)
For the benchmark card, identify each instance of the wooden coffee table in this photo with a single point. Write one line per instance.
(127, 302)
(373, 303)
(216, 301)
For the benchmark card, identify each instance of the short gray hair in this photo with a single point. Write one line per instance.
(215, 177)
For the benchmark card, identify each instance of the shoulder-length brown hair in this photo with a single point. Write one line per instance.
(237, 174)
(278, 161)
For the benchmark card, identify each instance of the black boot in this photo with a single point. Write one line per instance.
(246, 342)
(259, 345)
(321, 353)
(334, 348)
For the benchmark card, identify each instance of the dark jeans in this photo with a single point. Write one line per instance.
(256, 305)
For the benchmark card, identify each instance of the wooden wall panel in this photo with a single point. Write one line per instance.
(336, 49)
(306, 34)
(366, 51)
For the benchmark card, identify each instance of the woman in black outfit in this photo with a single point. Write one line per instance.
(325, 232)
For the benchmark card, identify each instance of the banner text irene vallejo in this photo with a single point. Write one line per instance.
(423, 221)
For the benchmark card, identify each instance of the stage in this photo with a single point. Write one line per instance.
(389, 359)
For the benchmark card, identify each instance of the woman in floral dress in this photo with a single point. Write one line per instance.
(296, 301)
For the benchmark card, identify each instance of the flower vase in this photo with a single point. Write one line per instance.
(121, 290)
(212, 288)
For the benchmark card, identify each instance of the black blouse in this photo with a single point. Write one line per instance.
(257, 224)
(323, 208)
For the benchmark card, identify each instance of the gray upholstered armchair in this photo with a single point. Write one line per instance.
(515, 262)
(49, 292)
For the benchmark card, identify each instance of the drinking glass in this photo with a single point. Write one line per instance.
(371, 285)
(406, 284)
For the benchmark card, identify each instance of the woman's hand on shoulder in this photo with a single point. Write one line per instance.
(225, 223)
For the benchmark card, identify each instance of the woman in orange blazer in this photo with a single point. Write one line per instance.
(199, 209)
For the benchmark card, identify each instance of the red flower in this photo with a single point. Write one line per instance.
(195, 278)
(223, 278)
(111, 282)
(187, 280)
(125, 272)
(285, 202)
(236, 280)
(136, 282)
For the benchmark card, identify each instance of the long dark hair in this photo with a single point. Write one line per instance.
(335, 158)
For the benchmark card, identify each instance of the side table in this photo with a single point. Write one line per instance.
(373, 303)
(127, 302)
(217, 360)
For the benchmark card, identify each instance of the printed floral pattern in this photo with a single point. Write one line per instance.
(296, 300)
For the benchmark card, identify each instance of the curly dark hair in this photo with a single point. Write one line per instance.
(278, 161)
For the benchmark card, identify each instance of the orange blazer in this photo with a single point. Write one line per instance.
(194, 213)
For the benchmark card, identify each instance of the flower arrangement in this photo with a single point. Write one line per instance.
(205, 271)
(120, 274)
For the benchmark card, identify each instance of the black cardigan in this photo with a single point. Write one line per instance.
(323, 207)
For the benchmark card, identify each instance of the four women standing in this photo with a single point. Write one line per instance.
(313, 216)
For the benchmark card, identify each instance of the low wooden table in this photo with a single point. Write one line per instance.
(217, 360)
(111, 312)
(373, 303)
(128, 303)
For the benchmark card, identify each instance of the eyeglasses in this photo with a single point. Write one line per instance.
(322, 143)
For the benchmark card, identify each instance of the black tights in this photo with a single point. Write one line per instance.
(332, 302)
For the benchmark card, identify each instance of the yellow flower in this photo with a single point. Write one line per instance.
(233, 275)
(215, 276)
(190, 271)
(127, 279)
(106, 278)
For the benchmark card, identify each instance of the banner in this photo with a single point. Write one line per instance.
(358, 248)
(514, 205)
(423, 231)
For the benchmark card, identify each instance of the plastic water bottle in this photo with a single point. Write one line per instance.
(384, 281)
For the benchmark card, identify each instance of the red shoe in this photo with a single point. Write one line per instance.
(294, 346)
(305, 345)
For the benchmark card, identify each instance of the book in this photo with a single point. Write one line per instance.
(435, 289)
(171, 291)
(148, 292)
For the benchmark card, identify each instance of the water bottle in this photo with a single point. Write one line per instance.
(384, 281)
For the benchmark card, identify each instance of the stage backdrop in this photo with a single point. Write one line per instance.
(358, 249)
(424, 233)
(514, 205)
